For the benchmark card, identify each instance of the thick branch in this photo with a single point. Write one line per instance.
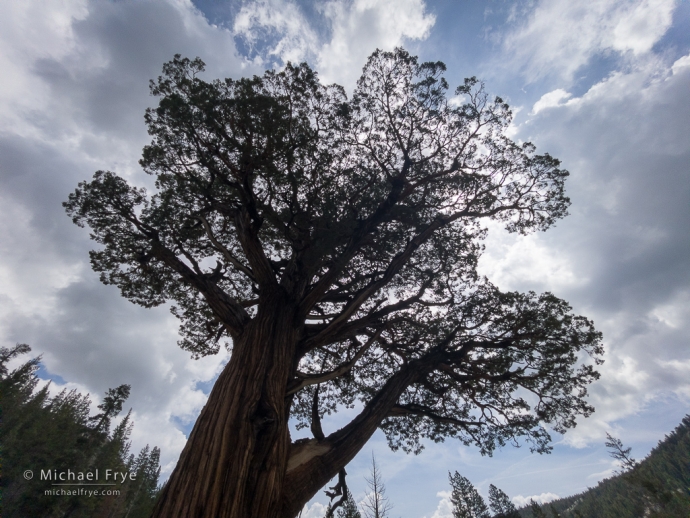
(412, 409)
(228, 310)
(226, 253)
(316, 462)
(305, 380)
(253, 250)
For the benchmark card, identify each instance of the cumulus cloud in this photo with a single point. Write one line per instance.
(316, 510)
(276, 28)
(445, 506)
(558, 37)
(621, 256)
(279, 31)
(544, 498)
(361, 26)
(550, 100)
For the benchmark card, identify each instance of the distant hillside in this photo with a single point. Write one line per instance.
(658, 487)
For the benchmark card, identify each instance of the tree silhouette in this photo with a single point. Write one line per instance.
(466, 500)
(500, 504)
(334, 243)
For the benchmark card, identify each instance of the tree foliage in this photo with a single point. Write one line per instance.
(500, 504)
(466, 500)
(468, 503)
(364, 218)
(619, 452)
(40, 432)
(537, 511)
(349, 508)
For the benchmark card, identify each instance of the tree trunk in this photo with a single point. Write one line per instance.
(235, 459)
(238, 461)
(313, 463)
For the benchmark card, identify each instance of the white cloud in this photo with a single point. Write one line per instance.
(30, 31)
(561, 36)
(620, 256)
(681, 64)
(316, 510)
(361, 26)
(638, 27)
(544, 498)
(281, 20)
(674, 313)
(278, 29)
(527, 262)
(445, 506)
(550, 100)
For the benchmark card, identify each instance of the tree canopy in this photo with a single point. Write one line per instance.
(357, 223)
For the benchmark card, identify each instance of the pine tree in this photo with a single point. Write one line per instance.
(349, 508)
(40, 432)
(111, 406)
(466, 500)
(500, 504)
(537, 511)
(142, 495)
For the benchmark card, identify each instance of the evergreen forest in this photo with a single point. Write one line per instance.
(57, 434)
(657, 487)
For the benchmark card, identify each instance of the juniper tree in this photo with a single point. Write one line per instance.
(332, 244)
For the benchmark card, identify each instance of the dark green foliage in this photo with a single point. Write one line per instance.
(468, 503)
(536, 509)
(657, 487)
(142, 495)
(500, 504)
(39, 432)
(111, 406)
(466, 500)
(349, 508)
(620, 453)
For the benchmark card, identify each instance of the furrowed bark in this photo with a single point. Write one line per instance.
(234, 462)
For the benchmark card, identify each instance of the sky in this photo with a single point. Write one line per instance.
(604, 86)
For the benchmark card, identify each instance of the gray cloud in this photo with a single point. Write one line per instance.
(89, 100)
(624, 249)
